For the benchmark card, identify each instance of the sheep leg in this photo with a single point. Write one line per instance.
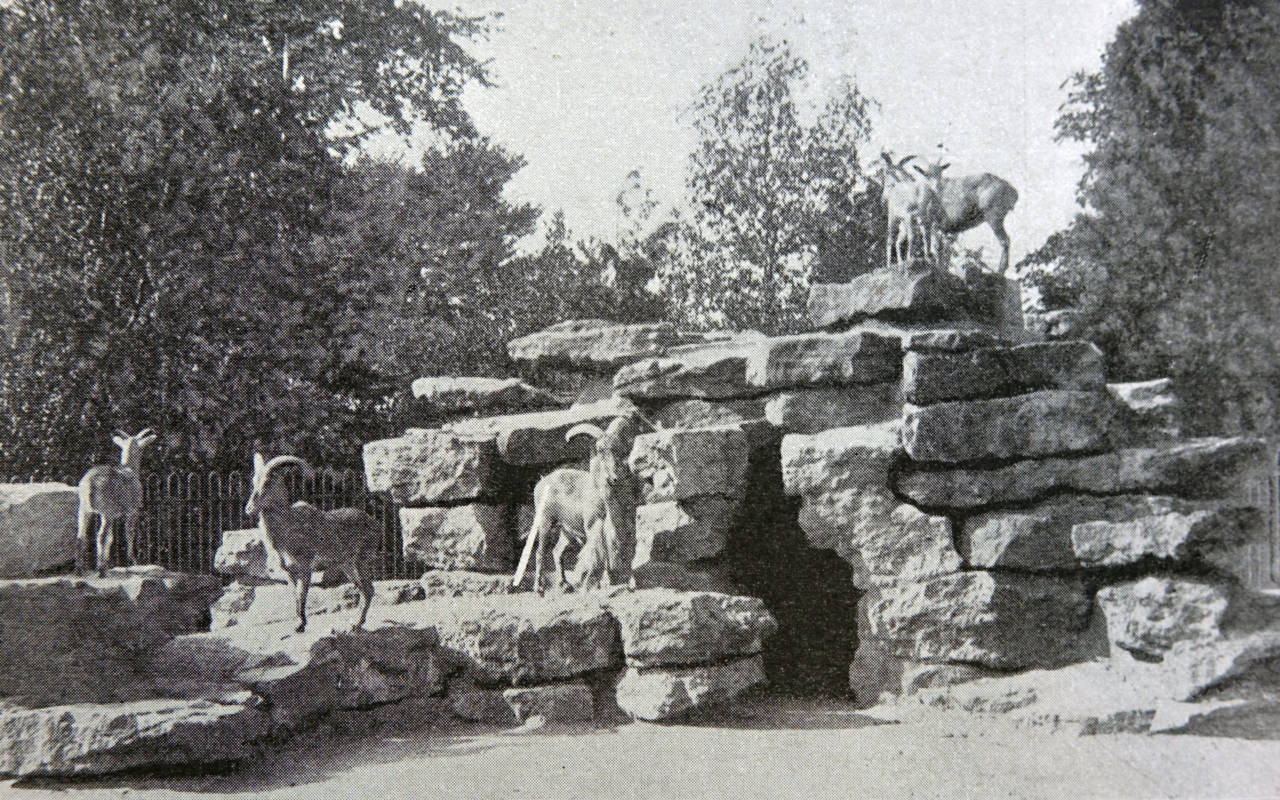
(562, 544)
(301, 576)
(1002, 236)
(531, 539)
(539, 545)
(82, 540)
(130, 534)
(362, 582)
(106, 537)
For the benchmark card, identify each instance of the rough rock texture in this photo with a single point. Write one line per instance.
(823, 359)
(479, 704)
(997, 620)
(951, 340)
(538, 437)
(1074, 530)
(1150, 412)
(703, 577)
(1192, 668)
(441, 396)
(461, 583)
(37, 527)
(257, 604)
(708, 371)
(905, 295)
(664, 627)
(594, 345)
(707, 413)
(679, 464)
(836, 459)
(95, 739)
(1151, 615)
(814, 410)
(555, 702)
(1200, 468)
(1041, 423)
(245, 556)
(933, 377)
(472, 537)
(664, 693)
(684, 530)
(428, 466)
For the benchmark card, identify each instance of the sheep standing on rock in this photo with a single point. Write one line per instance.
(913, 206)
(112, 492)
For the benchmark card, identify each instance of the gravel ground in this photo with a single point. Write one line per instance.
(772, 747)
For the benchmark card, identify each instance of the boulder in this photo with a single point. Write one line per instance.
(824, 359)
(37, 527)
(430, 466)
(443, 396)
(682, 530)
(246, 556)
(1199, 468)
(1193, 667)
(707, 413)
(1042, 423)
(97, 739)
(471, 537)
(593, 345)
(664, 693)
(707, 371)
(1148, 616)
(906, 295)
(479, 704)
(951, 340)
(933, 376)
(661, 627)
(1173, 536)
(995, 620)
(679, 464)
(917, 677)
(1150, 413)
(462, 583)
(537, 438)
(814, 410)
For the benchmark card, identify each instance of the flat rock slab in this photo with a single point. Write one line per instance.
(934, 377)
(1199, 468)
(683, 530)
(1150, 412)
(430, 466)
(837, 459)
(593, 345)
(996, 620)
(1149, 616)
(475, 537)
(1073, 531)
(569, 701)
(951, 340)
(462, 583)
(703, 577)
(664, 694)
(269, 604)
(537, 438)
(920, 295)
(680, 464)
(707, 371)
(697, 413)
(37, 527)
(99, 739)
(1043, 423)
(814, 410)
(661, 627)
(824, 359)
(442, 396)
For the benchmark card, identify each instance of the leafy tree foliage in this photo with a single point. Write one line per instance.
(1173, 259)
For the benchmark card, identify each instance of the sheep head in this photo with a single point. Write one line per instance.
(131, 447)
(266, 492)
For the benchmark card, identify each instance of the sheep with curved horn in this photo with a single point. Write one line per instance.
(112, 492)
(305, 537)
(913, 205)
(967, 201)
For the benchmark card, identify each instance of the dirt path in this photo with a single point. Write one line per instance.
(774, 749)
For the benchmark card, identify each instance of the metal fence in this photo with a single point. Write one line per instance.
(184, 515)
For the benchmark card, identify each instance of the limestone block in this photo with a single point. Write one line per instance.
(37, 527)
(951, 340)
(684, 577)
(836, 459)
(814, 410)
(472, 537)
(1150, 413)
(824, 359)
(245, 556)
(679, 464)
(1149, 616)
(664, 693)
(684, 530)
(665, 627)
(1192, 667)
(570, 701)
(479, 704)
(257, 604)
(593, 345)
(430, 466)
(884, 540)
(932, 377)
(707, 413)
(442, 396)
(1199, 468)
(462, 583)
(707, 371)
(537, 437)
(917, 295)
(1042, 423)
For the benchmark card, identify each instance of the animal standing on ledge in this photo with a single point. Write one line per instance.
(913, 205)
(112, 492)
(305, 537)
(969, 200)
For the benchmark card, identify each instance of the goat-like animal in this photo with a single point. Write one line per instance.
(969, 200)
(305, 537)
(913, 205)
(112, 492)
(594, 508)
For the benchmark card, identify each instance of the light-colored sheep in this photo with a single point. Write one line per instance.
(112, 492)
(913, 205)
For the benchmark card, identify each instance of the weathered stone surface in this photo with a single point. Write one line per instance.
(471, 537)
(933, 377)
(679, 464)
(429, 466)
(904, 295)
(245, 556)
(1150, 413)
(1074, 530)
(479, 704)
(1200, 468)
(97, 739)
(840, 458)
(707, 413)
(661, 627)
(707, 371)
(1148, 616)
(538, 437)
(814, 410)
(1041, 423)
(824, 359)
(555, 702)
(884, 540)
(684, 530)
(917, 677)
(441, 396)
(37, 527)
(1192, 668)
(665, 693)
(997, 620)
(258, 604)
(595, 345)
(951, 340)
(684, 577)
(1055, 325)
(462, 583)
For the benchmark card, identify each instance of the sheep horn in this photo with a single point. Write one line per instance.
(591, 430)
(280, 461)
(142, 434)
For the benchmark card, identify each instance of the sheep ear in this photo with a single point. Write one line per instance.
(120, 441)
(258, 462)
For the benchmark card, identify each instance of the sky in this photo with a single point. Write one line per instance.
(588, 91)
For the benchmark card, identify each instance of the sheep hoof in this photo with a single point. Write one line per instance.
(302, 628)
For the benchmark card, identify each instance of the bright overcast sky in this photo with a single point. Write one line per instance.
(590, 90)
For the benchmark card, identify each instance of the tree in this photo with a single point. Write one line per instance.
(172, 218)
(765, 184)
(1172, 259)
